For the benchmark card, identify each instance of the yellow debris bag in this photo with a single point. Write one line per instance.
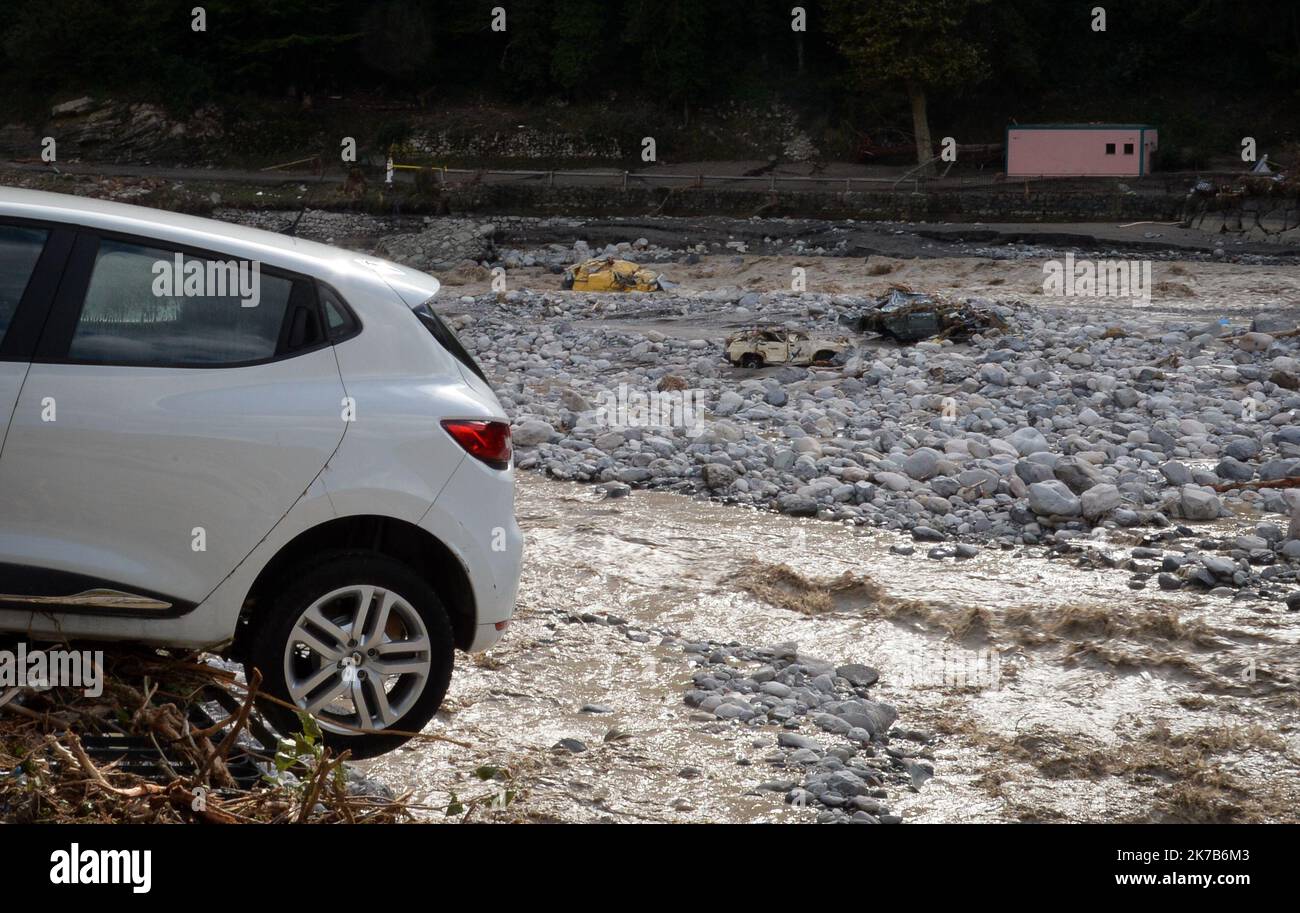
(606, 274)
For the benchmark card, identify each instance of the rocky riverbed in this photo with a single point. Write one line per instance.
(1068, 430)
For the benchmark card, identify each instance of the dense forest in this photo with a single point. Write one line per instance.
(1208, 71)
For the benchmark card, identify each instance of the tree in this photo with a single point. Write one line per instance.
(920, 44)
(581, 42)
(677, 42)
(290, 43)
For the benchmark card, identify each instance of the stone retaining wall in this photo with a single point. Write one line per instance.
(1004, 204)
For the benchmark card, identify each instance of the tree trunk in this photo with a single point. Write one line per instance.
(921, 127)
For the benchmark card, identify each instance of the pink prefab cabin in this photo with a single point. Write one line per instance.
(1080, 150)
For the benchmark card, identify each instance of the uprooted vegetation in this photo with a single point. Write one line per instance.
(148, 750)
(1191, 782)
(782, 586)
(1074, 626)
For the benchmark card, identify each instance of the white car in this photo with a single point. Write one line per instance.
(222, 438)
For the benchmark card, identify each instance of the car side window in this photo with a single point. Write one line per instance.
(151, 306)
(20, 248)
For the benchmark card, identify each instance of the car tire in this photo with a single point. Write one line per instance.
(314, 607)
(823, 355)
(750, 360)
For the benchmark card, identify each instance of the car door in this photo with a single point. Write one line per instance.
(27, 284)
(773, 348)
(159, 437)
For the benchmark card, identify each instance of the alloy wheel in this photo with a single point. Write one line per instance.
(359, 656)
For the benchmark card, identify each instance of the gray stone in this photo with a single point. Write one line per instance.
(797, 505)
(858, 675)
(1099, 500)
(1027, 441)
(922, 463)
(1053, 498)
(1199, 503)
(795, 740)
(1234, 470)
(717, 476)
(532, 432)
(1176, 473)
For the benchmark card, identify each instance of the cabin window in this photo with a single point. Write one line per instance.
(1110, 148)
(1128, 148)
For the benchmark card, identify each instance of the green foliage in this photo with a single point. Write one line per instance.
(579, 48)
(306, 747)
(982, 63)
(498, 799)
(672, 39)
(912, 41)
(302, 754)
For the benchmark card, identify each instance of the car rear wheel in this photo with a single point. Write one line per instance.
(751, 360)
(823, 355)
(362, 643)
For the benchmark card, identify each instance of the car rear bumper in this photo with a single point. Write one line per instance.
(474, 516)
(486, 635)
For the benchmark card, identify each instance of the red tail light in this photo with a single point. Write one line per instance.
(486, 441)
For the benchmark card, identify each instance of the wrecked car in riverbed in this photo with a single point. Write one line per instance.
(761, 346)
(608, 274)
(909, 317)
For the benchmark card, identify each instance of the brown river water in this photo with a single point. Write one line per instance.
(1050, 692)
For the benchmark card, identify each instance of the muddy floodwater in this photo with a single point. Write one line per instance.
(1049, 692)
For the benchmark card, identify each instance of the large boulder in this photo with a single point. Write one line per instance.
(1027, 441)
(1195, 503)
(531, 432)
(1053, 498)
(1099, 500)
(922, 464)
(717, 476)
(1079, 475)
(1234, 470)
(797, 505)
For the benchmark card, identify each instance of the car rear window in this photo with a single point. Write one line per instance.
(446, 337)
(339, 322)
(138, 311)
